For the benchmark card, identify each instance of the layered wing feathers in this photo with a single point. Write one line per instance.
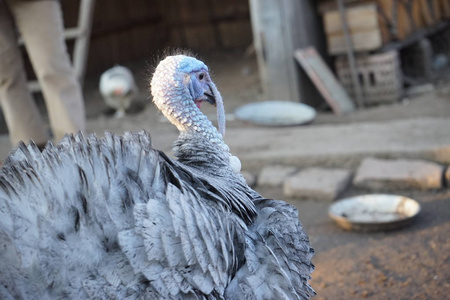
(278, 256)
(110, 218)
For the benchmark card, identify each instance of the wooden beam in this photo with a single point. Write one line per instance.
(81, 49)
(324, 80)
(280, 27)
(351, 55)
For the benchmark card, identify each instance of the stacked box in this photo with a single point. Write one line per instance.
(380, 76)
(374, 23)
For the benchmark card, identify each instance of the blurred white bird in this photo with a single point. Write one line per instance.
(118, 89)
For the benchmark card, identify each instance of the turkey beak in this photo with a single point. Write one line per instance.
(209, 94)
(210, 98)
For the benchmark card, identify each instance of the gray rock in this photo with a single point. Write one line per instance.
(381, 174)
(317, 183)
(249, 178)
(274, 175)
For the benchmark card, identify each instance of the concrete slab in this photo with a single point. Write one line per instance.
(381, 174)
(317, 183)
(274, 175)
(331, 145)
(341, 145)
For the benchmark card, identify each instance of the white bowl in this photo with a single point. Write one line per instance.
(276, 113)
(374, 212)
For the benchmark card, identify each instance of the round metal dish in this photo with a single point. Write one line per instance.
(375, 212)
(276, 113)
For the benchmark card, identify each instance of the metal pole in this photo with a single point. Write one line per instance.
(351, 55)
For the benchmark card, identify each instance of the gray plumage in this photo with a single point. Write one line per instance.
(113, 218)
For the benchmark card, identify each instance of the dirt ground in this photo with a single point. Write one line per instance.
(411, 263)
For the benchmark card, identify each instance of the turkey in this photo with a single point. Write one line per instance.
(118, 89)
(114, 218)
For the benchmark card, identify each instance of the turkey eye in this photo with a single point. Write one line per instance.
(201, 76)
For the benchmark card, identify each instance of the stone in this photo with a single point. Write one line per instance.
(274, 175)
(317, 183)
(249, 178)
(382, 174)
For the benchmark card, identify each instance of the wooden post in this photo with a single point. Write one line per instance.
(81, 34)
(82, 40)
(351, 55)
(279, 28)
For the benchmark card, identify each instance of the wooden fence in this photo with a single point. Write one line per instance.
(130, 30)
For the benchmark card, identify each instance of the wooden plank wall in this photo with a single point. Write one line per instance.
(425, 13)
(279, 28)
(125, 31)
(363, 24)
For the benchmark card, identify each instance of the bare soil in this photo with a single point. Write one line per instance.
(409, 263)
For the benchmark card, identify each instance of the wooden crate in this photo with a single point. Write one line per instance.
(380, 76)
(401, 23)
(434, 10)
(373, 23)
(364, 27)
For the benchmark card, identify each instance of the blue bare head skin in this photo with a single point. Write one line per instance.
(179, 84)
(188, 64)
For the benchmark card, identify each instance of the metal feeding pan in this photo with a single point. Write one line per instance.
(276, 113)
(375, 212)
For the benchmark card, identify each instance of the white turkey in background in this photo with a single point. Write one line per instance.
(118, 89)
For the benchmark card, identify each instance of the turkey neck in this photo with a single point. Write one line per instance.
(199, 142)
(181, 111)
(172, 98)
(196, 151)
